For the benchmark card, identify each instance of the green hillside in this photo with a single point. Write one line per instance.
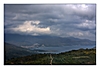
(79, 57)
(12, 51)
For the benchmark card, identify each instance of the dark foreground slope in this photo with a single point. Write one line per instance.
(12, 51)
(78, 57)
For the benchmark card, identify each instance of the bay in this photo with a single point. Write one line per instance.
(60, 49)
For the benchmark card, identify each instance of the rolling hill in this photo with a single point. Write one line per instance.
(74, 57)
(12, 51)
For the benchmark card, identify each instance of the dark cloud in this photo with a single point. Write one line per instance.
(77, 20)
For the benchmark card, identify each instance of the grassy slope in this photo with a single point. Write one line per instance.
(81, 56)
(12, 51)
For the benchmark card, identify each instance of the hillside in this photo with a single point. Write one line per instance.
(79, 57)
(12, 51)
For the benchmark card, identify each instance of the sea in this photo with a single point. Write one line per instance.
(60, 49)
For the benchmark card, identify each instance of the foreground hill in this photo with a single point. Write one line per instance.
(12, 51)
(28, 40)
(81, 56)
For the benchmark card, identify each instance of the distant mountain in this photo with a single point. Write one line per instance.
(44, 40)
(12, 51)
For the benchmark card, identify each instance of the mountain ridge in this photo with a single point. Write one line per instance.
(19, 40)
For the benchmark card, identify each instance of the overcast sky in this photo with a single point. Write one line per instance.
(64, 20)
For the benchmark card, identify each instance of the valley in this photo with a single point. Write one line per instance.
(22, 48)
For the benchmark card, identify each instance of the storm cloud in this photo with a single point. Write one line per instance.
(64, 20)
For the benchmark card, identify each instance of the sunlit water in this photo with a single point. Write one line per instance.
(59, 49)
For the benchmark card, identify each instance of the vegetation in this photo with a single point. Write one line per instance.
(12, 51)
(79, 57)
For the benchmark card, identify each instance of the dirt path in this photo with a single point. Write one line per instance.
(51, 59)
